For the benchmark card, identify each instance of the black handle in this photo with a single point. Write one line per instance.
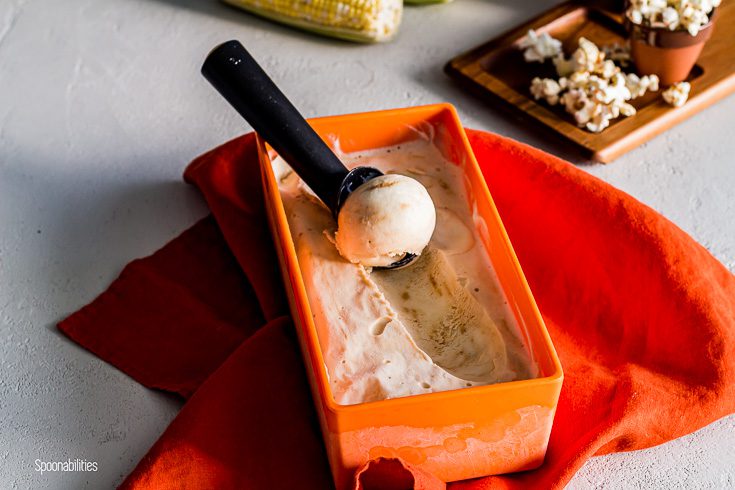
(240, 80)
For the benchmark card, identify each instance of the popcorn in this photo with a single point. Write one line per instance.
(689, 15)
(601, 119)
(591, 88)
(578, 105)
(677, 94)
(693, 19)
(547, 89)
(539, 47)
(670, 18)
(578, 79)
(597, 88)
(627, 110)
(617, 91)
(640, 85)
(607, 69)
(617, 53)
(587, 56)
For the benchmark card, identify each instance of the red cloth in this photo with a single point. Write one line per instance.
(643, 319)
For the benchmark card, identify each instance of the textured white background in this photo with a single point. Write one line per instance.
(102, 105)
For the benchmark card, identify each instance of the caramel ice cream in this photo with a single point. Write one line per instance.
(384, 219)
(440, 324)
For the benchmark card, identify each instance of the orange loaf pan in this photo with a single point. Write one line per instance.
(457, 434)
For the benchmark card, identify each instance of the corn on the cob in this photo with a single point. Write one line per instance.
(354, 20)
(425, 2)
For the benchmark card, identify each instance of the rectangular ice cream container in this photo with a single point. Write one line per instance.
(458, 434)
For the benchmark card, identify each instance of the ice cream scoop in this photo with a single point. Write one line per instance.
(384, 219)
(387, 229)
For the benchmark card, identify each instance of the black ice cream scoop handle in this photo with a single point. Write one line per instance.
(240, 80)
(238, 77)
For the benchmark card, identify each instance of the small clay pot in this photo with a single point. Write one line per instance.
(669, 54)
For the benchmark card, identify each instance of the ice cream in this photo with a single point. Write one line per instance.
(384, 219)
(440, 324)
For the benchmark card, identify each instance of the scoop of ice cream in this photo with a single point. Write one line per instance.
(384, 219)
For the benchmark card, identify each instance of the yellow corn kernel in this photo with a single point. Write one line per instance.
(354, 20)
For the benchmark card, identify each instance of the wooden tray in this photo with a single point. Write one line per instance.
(498, 71)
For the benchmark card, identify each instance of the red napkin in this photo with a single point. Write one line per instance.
(643, 319)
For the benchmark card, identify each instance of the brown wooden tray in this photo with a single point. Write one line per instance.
(497, 70)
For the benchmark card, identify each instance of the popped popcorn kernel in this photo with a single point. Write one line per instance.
(539, 47)
(670, 18)
(640, 85)
(547, 89)
(587, 56)
(677, 94)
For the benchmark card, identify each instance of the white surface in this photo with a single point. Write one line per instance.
(102, 105)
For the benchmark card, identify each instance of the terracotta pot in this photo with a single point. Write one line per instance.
(669, 54)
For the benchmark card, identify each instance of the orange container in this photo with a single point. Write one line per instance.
(456, 434)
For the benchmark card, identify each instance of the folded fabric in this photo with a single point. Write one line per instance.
(643, 319)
